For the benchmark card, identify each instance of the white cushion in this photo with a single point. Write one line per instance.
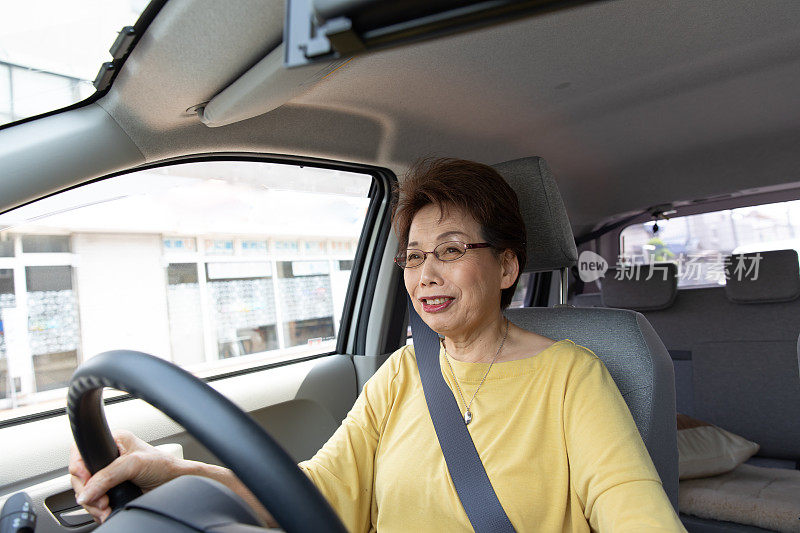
(707, 450)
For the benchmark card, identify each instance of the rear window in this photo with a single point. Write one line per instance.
(700, 243)
(215, 266)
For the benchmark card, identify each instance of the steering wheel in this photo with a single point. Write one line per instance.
(230, 434)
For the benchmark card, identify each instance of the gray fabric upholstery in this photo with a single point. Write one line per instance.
(694, 524)
(592, 299)
(684, 387)
(768, 462)
(765, 352)
(778, 278)
(641, 287)
(624, 340)
(752, 389)
(551, 245)
(702, 315)
(638, 362)
(747, 372)
(744, 379)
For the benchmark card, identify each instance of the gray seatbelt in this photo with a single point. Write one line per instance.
(463, 462)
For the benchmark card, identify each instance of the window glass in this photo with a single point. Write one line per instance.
(235, 264)
(52, 50)
(6, 246)
(7, 301)
(185, 315)
(6, 287)
(522, 289)
(700, 243)
(303, 281)
(53, 332)
(33, 244)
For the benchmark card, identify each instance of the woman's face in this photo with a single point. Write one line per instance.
(469, 286)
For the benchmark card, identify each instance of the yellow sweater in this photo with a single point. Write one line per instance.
(555, 436)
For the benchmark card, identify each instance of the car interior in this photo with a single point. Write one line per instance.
(219, 197)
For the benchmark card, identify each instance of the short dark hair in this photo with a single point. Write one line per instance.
(474, 188)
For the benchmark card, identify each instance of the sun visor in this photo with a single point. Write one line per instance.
(266, 86)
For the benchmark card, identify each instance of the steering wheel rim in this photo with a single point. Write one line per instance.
(236, 439)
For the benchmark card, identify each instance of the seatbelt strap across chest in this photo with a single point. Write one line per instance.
(463, 462)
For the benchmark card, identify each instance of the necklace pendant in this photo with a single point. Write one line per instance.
(467, 417)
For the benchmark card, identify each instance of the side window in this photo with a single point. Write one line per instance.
(521, 290)
(700, 243)
(212, 265)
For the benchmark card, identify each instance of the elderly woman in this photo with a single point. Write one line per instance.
(553, 433)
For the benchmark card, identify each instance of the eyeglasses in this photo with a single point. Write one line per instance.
(446, 251)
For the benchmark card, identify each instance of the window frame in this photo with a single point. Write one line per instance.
(352, 332)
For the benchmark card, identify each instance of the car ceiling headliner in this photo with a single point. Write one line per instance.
(633, 103)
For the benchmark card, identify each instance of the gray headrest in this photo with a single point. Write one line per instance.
(551, 245)
(641, 287)
(762, 277)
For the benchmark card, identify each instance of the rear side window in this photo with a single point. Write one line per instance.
(214, 265)
(699, 244)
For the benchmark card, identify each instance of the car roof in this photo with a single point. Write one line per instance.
(632, 103)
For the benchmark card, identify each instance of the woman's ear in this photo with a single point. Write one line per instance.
(510, 268)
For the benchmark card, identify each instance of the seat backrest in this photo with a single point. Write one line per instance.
(636, 359)
(622, 339)
(587, 300)
(648, 288)
(734, 348)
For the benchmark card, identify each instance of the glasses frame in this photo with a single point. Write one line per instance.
(468, 246)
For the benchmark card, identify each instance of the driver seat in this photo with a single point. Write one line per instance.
(624, 339)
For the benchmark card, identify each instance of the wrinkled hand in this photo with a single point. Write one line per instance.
(138, 462)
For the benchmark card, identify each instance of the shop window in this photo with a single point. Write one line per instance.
(309, 331)
(7, 300)
(244, 314)
(184, 309)
(53, 331)
(6, 283)
(53, 370)
(4, 388)
(307, 301)
(48, 278)
(182, 273)
(32, 244)
(249, 340)
(6, 246)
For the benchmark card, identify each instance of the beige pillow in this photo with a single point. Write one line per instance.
(706, 450)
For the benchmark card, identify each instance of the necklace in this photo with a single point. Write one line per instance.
(468, 413)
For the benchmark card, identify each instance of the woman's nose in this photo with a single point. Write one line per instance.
(430, 271)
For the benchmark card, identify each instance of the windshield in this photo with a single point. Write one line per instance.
(52, 50)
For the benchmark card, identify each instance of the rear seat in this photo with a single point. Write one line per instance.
(735, 350)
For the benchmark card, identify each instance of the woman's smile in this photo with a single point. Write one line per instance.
(436, 304)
